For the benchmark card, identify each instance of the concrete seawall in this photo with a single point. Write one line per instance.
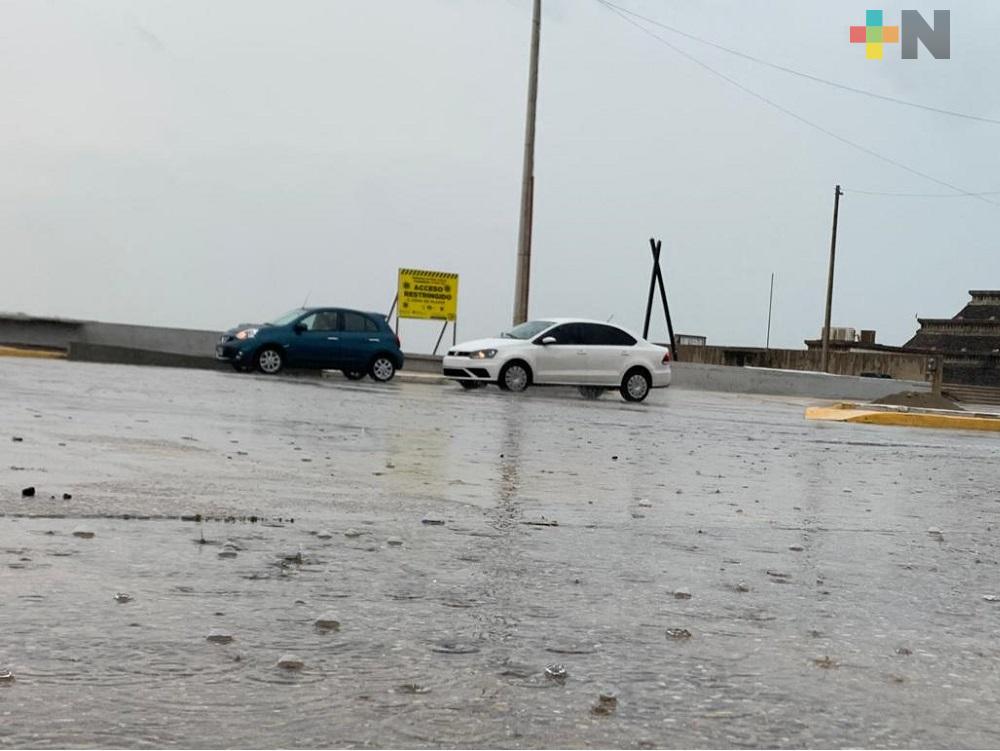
(696, 376)
(700, 377)
(89, 352)
(61, 333)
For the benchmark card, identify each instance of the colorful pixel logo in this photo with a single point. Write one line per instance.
(913, 29)
(873, 34)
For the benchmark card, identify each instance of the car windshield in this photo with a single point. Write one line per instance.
(527, 329)
(287, 317)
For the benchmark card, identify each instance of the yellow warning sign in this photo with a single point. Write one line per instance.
(428, 294)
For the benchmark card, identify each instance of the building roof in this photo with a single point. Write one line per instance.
(941, 342)
(975, 329)
(854, 346)
(961, 324)
(979, 312)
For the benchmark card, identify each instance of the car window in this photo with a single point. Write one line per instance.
(322, 320)
(602, 334)
(355, 322)
(589, 333)
(568, 333)
(287, 317)
(527, 330)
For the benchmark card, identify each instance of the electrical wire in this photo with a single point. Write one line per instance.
(920, 195)
(790, 113)
(799, 73)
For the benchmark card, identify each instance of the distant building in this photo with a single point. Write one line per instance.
(969, 343)
(848, 339)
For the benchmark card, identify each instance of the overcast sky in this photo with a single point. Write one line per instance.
(200, 163)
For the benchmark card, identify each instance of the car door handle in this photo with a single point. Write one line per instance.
(333, 338)
(373, 339)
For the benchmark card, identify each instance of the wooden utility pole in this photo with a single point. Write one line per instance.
(521, 282)
(770, 304)
(825, 366)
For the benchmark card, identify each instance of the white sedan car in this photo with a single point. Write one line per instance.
(591, 355)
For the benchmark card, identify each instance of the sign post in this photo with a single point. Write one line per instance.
(657, 279)
(428, 295)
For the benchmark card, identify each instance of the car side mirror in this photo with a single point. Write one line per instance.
(299, 328)
(549, 340)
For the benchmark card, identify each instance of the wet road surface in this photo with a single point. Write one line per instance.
(821, 610)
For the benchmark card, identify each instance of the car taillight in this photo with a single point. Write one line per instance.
(666, 358)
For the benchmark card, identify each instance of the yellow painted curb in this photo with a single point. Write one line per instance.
(905, 417)
(49, 354)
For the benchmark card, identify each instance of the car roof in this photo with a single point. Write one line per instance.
(577, 320)
(560, 320)
(313, 309)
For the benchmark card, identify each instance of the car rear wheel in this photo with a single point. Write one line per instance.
(471, 385)
(635, 385)
(269, 361)
(515, 376)
(353, 375)
(382, 369)
(591, 392)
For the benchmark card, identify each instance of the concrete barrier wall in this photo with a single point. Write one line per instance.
(899, 365)
(91, 352)
(51, 333)
(696, 376)
(88, 352)
(58, 333)
(700, 377)
(423, 364)
(191, 342)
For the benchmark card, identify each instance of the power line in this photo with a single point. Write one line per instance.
(802, 74)
(921, 195)
(790, 113)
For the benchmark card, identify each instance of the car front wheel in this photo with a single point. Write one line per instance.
(382, 369)
(270, 361)
(635, 385)
(515, 376)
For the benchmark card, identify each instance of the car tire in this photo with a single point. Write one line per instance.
(382, 369)
(353, 375)
(514, 376)
(636, 385)
(269, 360)
(471, 385)
(591, 392)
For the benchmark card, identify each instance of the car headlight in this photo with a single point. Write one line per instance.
(247, 333)
(483, 354)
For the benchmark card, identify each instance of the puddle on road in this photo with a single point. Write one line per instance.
(874, 634)
(472, 640)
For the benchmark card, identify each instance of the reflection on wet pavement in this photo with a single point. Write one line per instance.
(736, 577)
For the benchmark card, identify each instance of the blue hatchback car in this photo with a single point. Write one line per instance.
(351, 341)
